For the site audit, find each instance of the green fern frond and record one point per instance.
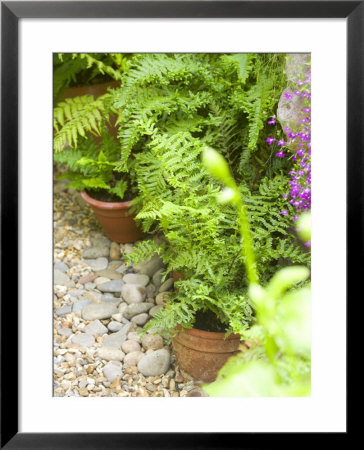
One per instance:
(76, 117)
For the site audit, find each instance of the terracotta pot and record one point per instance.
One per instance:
(115, 219)
(177, 275)
(201, 354)
(91, 89)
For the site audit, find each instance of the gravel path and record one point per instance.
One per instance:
(100, 304)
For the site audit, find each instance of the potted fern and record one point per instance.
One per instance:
(93, 170)
(184, 103)
(78, 74)
(85, 138)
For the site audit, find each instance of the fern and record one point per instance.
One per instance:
(170, 106)
(93, 166)
(143, 251)
(77, 117)
(102, 68)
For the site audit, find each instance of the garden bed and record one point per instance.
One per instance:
(78, 368)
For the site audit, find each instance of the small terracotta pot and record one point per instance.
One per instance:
(177, 275)
(201, 354)
(91, 89)
(115, 219)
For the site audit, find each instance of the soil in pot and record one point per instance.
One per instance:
(208, 321)
(105, 196)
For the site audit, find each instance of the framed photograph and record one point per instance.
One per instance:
(55, 279)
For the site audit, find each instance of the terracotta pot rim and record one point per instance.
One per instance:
(105, 205)
(96, 86)
(208, 334)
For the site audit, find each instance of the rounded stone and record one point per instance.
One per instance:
(161, 298)
(130, 346)
(100, 311)
(155, 363)
(110, 274)
(113, 286)
(134, 336)
(61, 266)
(100, 280)
(151, 290)
(62, 279)
(136, 278)
(115, 251)
(122, 307)
(115, 326)
(153, 311)
(111, 354)
(133, 293)
(150, 267)
(96, 251)
(80, 304)
(83, 340)
(133, 358)
(152, 341)
(92, 296)
(87, 278)
(157, 278)
(65, 331)
(112, 370)
(118, 317)
(167, 285)
(97, 264)
(109, 297)
(140, 319)
(116, 339)
(96, 328)
(136, 308)
(63, 310)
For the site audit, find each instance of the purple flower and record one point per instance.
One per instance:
(299, 195)
(272, 120)
(308, 244)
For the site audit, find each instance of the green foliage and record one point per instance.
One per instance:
(213, 97)
(180, 199)
(169, 108)
(77, 117)
(283, 364)
(142, 252)
(93, 167)
(105, 65)
(73, 69)
(283, 320)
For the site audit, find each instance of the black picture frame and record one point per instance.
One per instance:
(11, 12)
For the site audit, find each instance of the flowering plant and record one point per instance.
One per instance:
(280, 365)
(299, 143)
